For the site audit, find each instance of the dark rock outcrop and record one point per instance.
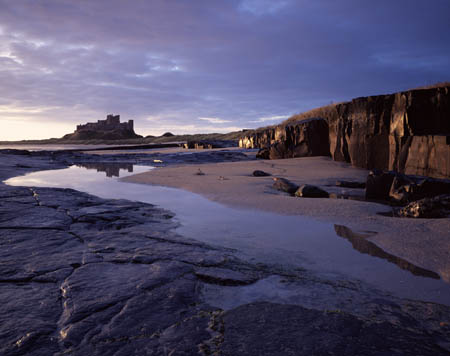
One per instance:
(401, 188)
(304, 138)
(311, 191)
(208, 144)
(259, 173)
(437, 207)
(293, 330)
(285, 185)
(408, 132)
(263, 153)
(378, 184)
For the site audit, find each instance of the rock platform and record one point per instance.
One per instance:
(80, 275)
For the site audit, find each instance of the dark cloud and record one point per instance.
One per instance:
(172, 62)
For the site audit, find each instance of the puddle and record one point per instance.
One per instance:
(359, 242)
(290, 241)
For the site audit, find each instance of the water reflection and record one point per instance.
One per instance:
(260, 237)
(112, 169)
(362, 245)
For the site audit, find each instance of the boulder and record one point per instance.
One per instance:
(311, 191)
(406, 189)
(285, 185)
(259, 173)
(378, 184)
(263, 153)
(402, 189)
(437, 207)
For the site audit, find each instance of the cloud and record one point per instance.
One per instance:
(271, 118)
(262, 7)
(242, 60)
(214, 120)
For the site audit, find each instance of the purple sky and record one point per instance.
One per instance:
(190, 66)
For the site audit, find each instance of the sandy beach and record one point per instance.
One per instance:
(423, 242)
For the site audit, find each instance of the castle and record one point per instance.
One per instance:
(111, 123)
(109, 129)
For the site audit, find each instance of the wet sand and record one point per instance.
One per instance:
(424, 242)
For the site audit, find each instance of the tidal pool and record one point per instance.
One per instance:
(333, 251)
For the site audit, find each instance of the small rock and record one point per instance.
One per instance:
(258, 173)
(311, 191)
(284, 185)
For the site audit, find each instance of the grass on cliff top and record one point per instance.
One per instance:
(431, 86)
(322, 112)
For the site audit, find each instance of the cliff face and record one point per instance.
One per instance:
(408, 132)
(299, 139)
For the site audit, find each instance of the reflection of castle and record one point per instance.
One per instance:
(111, 169)
(111, 123)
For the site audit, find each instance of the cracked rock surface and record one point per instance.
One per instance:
(80, 275)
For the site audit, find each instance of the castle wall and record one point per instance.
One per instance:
(112, 122)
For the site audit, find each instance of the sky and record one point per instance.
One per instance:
(198, 66)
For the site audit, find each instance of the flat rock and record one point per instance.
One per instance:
(27, 253)
(274, 329)
(224, 277)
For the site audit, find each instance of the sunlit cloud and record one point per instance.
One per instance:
(11, 109)
(13, 129)
(270, 118)
(214, 120)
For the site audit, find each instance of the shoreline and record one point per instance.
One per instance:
(77, 265)
(423, 242)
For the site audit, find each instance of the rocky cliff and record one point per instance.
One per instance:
(407, 132)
